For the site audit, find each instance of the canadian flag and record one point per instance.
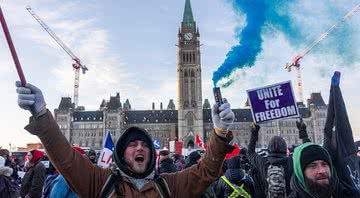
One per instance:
(199, 142)
(106, 154)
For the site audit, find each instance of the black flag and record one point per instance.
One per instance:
(338, 138)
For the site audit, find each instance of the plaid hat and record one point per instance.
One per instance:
(313, 153)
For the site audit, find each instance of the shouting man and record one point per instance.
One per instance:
(134, 156)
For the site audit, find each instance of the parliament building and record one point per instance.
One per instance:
(189, 116)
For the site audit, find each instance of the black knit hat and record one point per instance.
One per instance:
(234, 175)
(132, 134)
(277, 144)
(233, 163)
(313, 153)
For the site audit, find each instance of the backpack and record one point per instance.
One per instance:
(276, 184)
(48, 184)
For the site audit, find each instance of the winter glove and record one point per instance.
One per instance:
(335, 80)
(302, 129)
(255, 129)
(222, 118)
(31, 98)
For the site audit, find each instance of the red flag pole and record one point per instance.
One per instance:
(12, 49)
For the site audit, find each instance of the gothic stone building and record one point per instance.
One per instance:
(193, 116)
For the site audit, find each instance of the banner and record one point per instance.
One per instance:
(106, 154)
(273, 102)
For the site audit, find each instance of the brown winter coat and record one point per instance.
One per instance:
(86, 180)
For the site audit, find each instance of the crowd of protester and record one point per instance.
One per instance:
(308, 170)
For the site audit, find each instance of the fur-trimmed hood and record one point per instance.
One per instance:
(6, 171)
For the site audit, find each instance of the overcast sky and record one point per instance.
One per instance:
(129, 47)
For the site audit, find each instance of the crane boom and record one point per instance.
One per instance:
(307, 49)
(331, 29)
(76, 65)
(296, 60)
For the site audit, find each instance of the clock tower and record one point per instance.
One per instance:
(190, 113)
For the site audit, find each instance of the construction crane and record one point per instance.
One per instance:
(76, 65)
(296, 61)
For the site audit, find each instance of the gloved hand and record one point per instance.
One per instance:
(302, 129)
(335, 80)
(31, 98)
(222, 118)
(255, 129)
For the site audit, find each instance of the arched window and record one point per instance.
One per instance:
(190, 119)
(185, 73)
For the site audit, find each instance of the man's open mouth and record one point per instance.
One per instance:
(139, 158)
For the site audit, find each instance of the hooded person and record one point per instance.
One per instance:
(314, 174)
(34, 178)
(340, 141)
(277, 157)
(134, 157)
(234, 178)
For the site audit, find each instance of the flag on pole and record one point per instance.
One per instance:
(106, 154)
(340, 143)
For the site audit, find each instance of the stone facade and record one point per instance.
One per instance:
(193, 117)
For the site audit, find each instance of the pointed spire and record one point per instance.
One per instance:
(127, 105)
(188, 18)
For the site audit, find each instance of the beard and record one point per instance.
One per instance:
(321, 190)
(137, 168)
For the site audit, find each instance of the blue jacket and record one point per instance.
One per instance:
(60, 189)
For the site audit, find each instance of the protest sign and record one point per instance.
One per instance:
(273, 102)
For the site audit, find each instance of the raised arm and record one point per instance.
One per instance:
(255, 159)
(83, 178)
(303, 135)
(254, 137)
(193, 181)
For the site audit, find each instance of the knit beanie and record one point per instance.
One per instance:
(313, 153)
(233, 162)
(234, 175)
(133, 136)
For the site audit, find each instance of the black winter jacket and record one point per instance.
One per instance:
(261, 164)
